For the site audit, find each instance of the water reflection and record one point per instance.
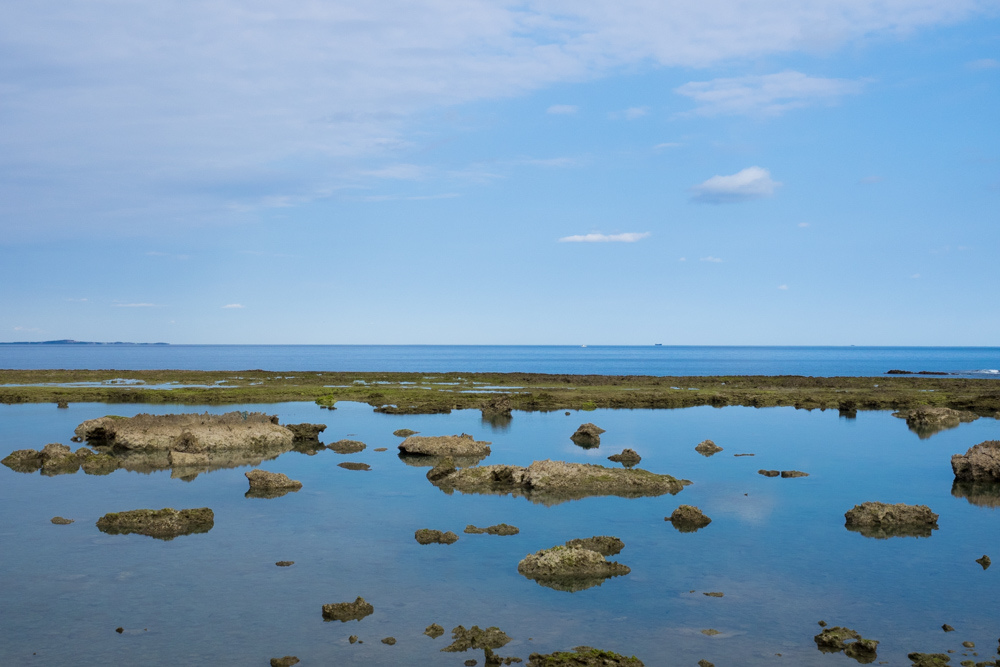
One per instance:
(982, 494)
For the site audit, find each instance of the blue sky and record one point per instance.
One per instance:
(715, 172)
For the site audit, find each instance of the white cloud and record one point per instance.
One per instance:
(985, 63)
(75, 300)
(744, 185)
(714, 260)
(402, 172)
(234, 305)
(682, 259)
(782, 287)
(29, 329)
(377, 198)
(628, 237)
(562, 109)
(767, 95)
(915, 276)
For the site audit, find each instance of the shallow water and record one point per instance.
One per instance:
(776, 547)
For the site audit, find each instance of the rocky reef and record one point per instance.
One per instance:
(837, 639)
(582, 656)
(498, 529)
(925, 421)
(980, 463)
(606, 545)
(883, 520)
(164, 524)
(192, 433)
(428, 536)
(569, 569)
(445, 445)
(264, 484)
(347, 611)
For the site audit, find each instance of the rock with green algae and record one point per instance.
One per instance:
(569, 569)
(464, 639)
(348, 611)
(428, 536)
(163, 524)
(347, 446)
(583, 656)
(498, 529)
(688, 519)
(606, 545)
(884, 520)
(928, 659)
(837, 639)
(287, 661)
(434, 631)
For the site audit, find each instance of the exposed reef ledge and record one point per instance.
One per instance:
(552, 482)
(188, 433)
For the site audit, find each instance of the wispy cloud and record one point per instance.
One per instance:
(156, 253)
(714, 260)
(767, 95)
(628, 237)
(75, 300)
(28, 329)
(803, 224)
(783, 287)
(402, 172)
(745, 185)
(135, 305)
(234, 305)
(667, 145)
(562, 109)
(984, 63)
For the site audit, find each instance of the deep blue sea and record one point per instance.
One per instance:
(599, 360)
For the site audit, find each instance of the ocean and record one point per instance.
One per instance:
(662, 360)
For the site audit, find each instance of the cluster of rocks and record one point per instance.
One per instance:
(837, 639)
(428, 536)
(498, 529)
(782, 473)
(58, 459)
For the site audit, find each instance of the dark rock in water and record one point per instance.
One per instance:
(896, 371)
(984, 561)
(428, 536)
(498, 404)
(404, 433)
(744, 454)
(569, 568)
(164, 524)
(446, 445)
(688, 519)
(627, 458)
(981, 463)
(552, 482)
(59, 459)
(583, 656)
(61, 521)
(353, 465)
(981, 494)
(705, 663)
(347, 446)
(381, 449)
(926, 421)
(347, 611)
(707, 448)
(285, 563)
(947, 628)
(928, 659)
(715, 594)
(882, 520)
(262, 480)
(587, 436)
(793, 473)
(606, 545)
(434, 631)
(476, 638)
(836, 639)
(441, 470)
(24, 460)
(822, 624)
(499, 529)
(62, 405)
(287, 661)
(390, 641)
(354, 638)
(470, 663)
(306, 432)
(769, 473)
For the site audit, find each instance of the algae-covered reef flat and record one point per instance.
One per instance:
(430, 393)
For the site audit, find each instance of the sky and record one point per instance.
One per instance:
(694, 172)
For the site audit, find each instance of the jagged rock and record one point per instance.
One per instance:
(926, 421)
(793, 473)
(347, 446)
(192, 433)
(981, 463)
(769, 473)
(882, 520)
(347, 611)
(569, 568)
(984, 561)
(390, 641)
(96, 464)
(587, 436)
(475, 638)
(498, 404)
(499, 529)
(606, 545)
(928, 659)
(434, 631)
(836, 639)
(628, 458)
(262, 480)
(947, 628)
(287, 661)
(164, 524)
(354, 465)
(62, 521)
(445, 445)
(688, 519)
(428, 536)
(707, 448)
(59, 459)
(552, 482)
(23, 460)
(306, 432)
(582, 656)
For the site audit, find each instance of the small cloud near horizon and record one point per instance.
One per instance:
(400, 172)
(628, 237)
(562, 109)
(28, 329)
(558, 162)
(745, 185)
(234, 305)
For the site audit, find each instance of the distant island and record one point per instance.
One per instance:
(73, 342)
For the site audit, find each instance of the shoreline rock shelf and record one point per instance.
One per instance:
(191, 433)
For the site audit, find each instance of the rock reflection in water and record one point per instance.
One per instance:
(901, 530)
(981, 494)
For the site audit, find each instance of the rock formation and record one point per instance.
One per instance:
(587, 436)
(688, 519)
(837, 639)
(347, 611)
(569, 568)
(981, 463)
(707, 448)
(627, 458)
(164, 524)
(926, 421)
(428, 536)
(264, 484)
(882, 520)
(445, 445)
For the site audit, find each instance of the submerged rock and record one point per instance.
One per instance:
(191, 433)
(164, 524)
(606, 545)
(428, 536)
(445, 445)
(552, 482)
(926, 421)
(984, 561)
(837, 639)
(347, 446)
(347, 611)
(404, 433)
(62, 521)
(627, 458)
(475, 638)
(569, 568)
(434, 631)
(688, 519)
(498, 529)
(587, 436)
(793, 473)
(707, 448)
(981, 463)
(354, 465)
(287, 661)
(306, 432)
(882, 520)
(928, 659)
(583, 656)
(769, 473)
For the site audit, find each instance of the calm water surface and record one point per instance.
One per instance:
(777, 548)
